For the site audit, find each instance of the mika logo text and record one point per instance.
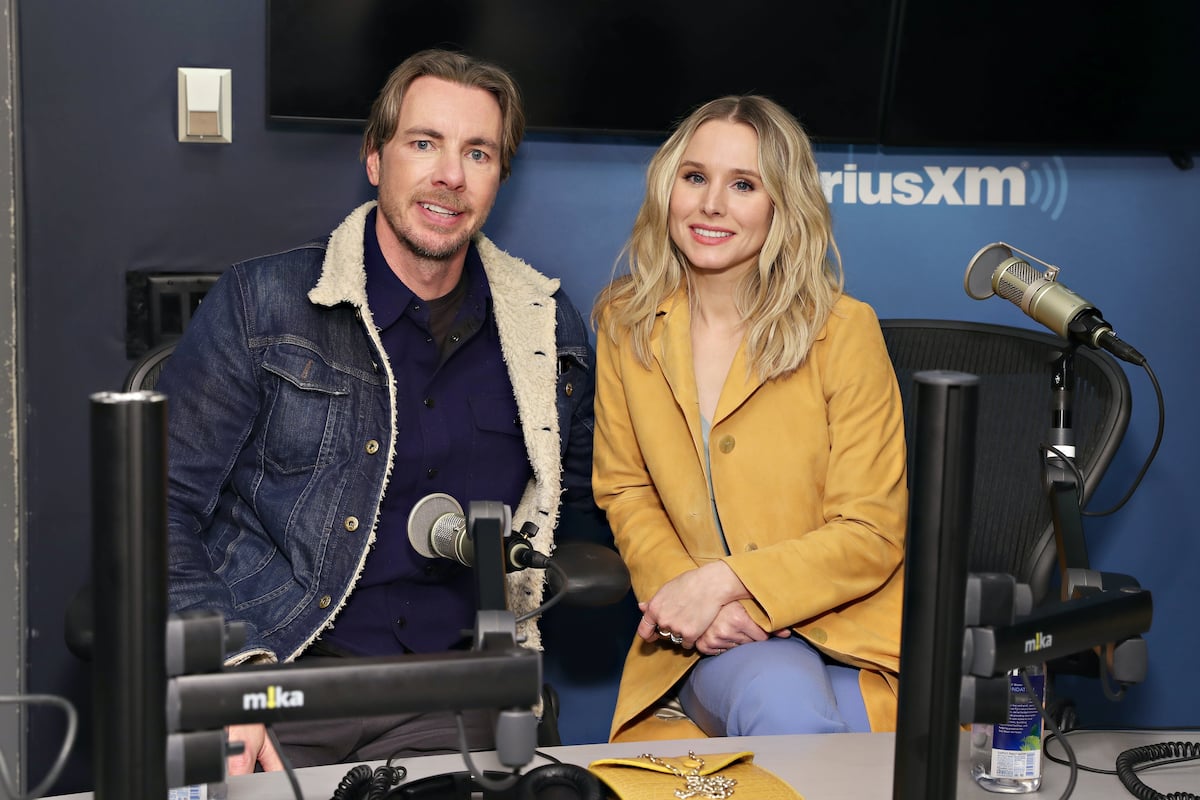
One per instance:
(273, 697)
(1040, 641)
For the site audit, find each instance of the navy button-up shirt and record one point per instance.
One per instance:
(458, 432)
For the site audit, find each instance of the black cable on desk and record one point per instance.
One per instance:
(1164, 752)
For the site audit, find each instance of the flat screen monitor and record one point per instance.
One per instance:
(1093, 74)
(612, 66)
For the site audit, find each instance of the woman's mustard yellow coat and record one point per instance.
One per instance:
(808, 474)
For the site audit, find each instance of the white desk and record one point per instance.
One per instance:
(856, 766)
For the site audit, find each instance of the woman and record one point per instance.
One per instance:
(749, 446)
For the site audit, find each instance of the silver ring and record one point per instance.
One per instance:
(663, 633)
(676, 638)
(720, 650)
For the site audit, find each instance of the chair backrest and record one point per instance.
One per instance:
(144, 373)
(1012, 527)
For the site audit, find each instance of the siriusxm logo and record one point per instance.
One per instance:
(1040, 641)
(951, 186)
(273, 697)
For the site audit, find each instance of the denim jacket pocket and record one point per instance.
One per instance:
(306, 400)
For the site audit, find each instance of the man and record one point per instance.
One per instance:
(320, 393)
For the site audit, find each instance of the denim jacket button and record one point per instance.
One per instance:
(372, 447)
(351, 524)
(569, 389)
(325, 601)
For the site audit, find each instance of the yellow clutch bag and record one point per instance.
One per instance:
(714, 776)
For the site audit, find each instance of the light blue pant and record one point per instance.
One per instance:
(779, 686)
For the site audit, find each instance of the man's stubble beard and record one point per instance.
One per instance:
(408, 238)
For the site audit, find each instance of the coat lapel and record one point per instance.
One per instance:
(671, 343)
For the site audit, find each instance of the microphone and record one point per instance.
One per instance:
(995, 270)
(437, 528)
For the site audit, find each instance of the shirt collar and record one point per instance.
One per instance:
(388, 297)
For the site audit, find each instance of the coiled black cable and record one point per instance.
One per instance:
(361, 783)
(1131, 759)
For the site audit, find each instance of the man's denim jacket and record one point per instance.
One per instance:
(280, 414)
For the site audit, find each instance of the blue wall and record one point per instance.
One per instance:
(107, 188)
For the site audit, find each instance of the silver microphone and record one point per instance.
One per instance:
(996, 271)
(437, 528)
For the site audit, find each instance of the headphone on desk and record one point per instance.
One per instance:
(547, 782)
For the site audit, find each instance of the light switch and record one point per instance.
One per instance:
(205, 108)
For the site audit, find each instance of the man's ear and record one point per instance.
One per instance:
(373, 168)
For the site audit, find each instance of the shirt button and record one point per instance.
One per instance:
(325, 601)
(454, 338)
(400, 623)
(569, 389)
(428, 401)
(372, 447)
(431, 472)
(351, 524)
(727, 444)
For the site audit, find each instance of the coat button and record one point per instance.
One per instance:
(372, 447)
(325, 601)
(727, 444)
(817, 635)
(750, 548)
(351, 524)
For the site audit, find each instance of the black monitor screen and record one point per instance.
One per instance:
(620, 66)
(1079, 73)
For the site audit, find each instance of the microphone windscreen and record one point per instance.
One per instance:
(424, 516)
(978, 280)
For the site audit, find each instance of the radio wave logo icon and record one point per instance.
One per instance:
(1053, 177)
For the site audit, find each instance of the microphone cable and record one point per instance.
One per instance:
(1153, 450)
(1131, 761)
(1048, 719)
(1137, 481)
(1154, 755)
(363, 783)
(547, 563)
(288, 770)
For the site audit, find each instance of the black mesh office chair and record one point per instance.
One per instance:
(144, 373)
(1012, 527)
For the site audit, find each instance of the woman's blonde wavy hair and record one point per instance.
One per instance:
(785, 302)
